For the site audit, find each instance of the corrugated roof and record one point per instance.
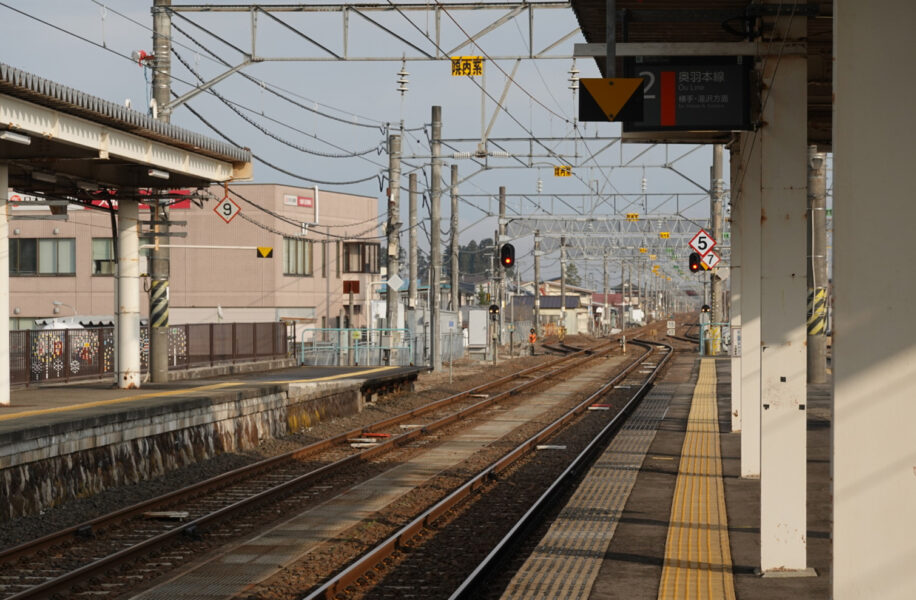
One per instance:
(39, 90)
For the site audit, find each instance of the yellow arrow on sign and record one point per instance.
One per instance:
(617, 99)
(265, 252)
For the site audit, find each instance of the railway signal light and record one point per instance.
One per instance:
(494, 311)
(507, 255)
(694, 262)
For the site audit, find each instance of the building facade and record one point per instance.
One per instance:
(318, 240)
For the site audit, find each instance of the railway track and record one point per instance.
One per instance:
(437, 555)
(154, 537)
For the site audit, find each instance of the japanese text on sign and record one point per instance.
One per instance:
(562, 171)
(467, 66)
(632, 216)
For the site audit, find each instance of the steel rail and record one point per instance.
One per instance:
(366, 563)
(557, 489)
(230, 477)
(67, 580)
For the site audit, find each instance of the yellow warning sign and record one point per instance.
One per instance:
(664, 235)
(562, 171)
(467, 66)
(617, 99)
(632, 217)
(265, 252)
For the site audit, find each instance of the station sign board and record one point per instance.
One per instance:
(692, 92)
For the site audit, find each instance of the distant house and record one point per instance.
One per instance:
(576, 312)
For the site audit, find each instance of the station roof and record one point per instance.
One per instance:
(60, 141)
(710, 21)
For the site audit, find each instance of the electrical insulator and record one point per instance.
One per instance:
(574, 77)
(540, 185)
(402, 78)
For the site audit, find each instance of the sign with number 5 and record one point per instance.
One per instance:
(702, 242)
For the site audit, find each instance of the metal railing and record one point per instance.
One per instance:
(363, 347)
(67, 354)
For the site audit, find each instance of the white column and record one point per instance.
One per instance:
(783, 141)
(4, 285)
(874, 354)
(734, 279)
(128, 295)
(749, 199)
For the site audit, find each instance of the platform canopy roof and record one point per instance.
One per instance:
(720, 22)
(63, 143)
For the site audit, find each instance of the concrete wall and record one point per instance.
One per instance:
(46, 466)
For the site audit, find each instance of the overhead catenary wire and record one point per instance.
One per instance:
(272, 88)
(234, 108)
(260, 159)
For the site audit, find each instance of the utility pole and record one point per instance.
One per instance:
(393, 229)
(718, 192)
(412, 263)
(435, 253)
(817, 266)
(159, 257)
(563, 281)
(412, 241)
(604, 315)
(454, 239)
(623, 297)
(502, 269)
(537, 283)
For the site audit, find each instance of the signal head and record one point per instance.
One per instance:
(507, 256)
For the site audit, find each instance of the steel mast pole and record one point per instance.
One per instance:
(435, 251)
(412, 241)
(537, 283)
(605, 316)
(393, 229)
(501, 271)
(563, 281)
(453, 246)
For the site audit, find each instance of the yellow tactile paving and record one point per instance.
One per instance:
(697, 555)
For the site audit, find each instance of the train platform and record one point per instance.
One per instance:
(53, 404)
(664, 513)
(61, 441)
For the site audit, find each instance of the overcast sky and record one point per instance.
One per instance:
(351, 102)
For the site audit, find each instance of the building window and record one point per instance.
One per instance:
(297, 256)
(103, 259)
(42, 256)
(361, 257)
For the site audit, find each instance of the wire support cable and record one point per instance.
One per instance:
(234, 107)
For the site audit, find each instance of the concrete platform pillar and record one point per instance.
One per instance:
(874, 346)
(783, 142)
(4, 285)
(128, 295)
(748, 199)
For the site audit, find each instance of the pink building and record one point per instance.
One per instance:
(319, 240)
